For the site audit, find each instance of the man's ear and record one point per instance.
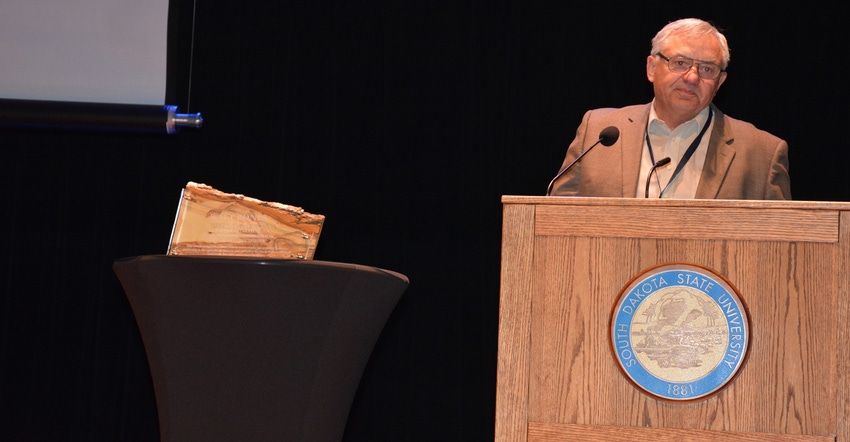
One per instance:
(721, 80)
(651, 63)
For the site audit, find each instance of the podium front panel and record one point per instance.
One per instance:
(557, 373)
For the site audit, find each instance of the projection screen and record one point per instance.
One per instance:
(104, 51)
(79, 63)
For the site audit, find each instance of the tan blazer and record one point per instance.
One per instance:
(742, 162)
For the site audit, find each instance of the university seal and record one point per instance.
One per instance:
(679, 332)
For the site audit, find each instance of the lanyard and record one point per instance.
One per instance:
(688, 153)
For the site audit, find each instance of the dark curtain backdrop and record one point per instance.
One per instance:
(403, 122)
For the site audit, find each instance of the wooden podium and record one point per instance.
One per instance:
(564, 263)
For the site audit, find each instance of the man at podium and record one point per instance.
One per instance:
(680, 145)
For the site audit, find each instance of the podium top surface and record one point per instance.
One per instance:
(744, 220)
(663, 202)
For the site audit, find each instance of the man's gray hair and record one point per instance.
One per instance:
(690, 27)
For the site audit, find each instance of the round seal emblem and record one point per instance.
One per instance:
(679, 332)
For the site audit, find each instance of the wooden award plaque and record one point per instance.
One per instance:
(210, 222)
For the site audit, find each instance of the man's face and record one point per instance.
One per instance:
(680, 96)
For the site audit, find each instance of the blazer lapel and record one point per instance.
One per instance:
(632, 136)
(718, 158)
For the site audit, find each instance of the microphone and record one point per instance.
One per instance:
(659, 163)
(607, 137)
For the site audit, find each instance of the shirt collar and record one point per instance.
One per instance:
(658, 126)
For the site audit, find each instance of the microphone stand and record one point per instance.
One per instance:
(661, 162)
(607, 137)
(570, 166)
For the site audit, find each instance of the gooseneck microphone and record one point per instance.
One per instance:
(607, 137)
(660, 163)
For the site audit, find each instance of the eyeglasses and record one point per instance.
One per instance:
(680, 64)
